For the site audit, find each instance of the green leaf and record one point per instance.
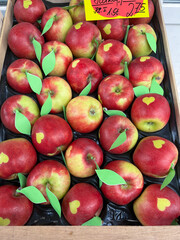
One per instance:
(126, 35)
(86, 90)
(62, 154)
(64, 112)
(22, 124)
(54, 201)
(110, 177)
(48, 62)
(119, 140)
(22, 180)
(174, 222)
(97, 45)
(114, 112)
(34, 82)
(47, 106)
(168, 178)
(37, 48)
(140, 90)
(156, 88)
(48, 25)
(95, 221)
(152, 41)
(98, 168)
(126, 71)
(39, 21)
(33, 194)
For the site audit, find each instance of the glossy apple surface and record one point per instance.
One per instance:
(77, 13)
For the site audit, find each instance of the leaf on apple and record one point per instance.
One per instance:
(81, 3)
(22, 180)
(126, 35)
(168, 178)
(22, 124)
(53, 201)
(48, 25)
(114, 112)
(174, 222)
(37, 48)
(156, 88)
(64, 160)
(47, 106)
(95, 221)
(126, 71)
(152, 41)
(98, 168)
(140, 90)
(34, 82)
(48, 63)
(86, 90)
(119, 140)
(64, 112)
(110, 177)
(97, 46)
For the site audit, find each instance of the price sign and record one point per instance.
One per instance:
(113, 9)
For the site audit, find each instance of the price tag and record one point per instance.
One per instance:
(113, 9)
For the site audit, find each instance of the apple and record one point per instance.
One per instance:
(142, 70)
(20, 39)
(137, 41)
(124, 193)
(81, 203)
(82, 71)
(111, 128)
(63, 57)
(150, 112)
(113, 28)
(111, 56)
(28, 11)
(59, 90)
(61, 24)
(156, 207)
(77, 13)
(51, 174)
(24, 104)
(81, 39)
(81, 157)
(84, 114)
(115, 92)
(154, 156)
(51, 134)
(16, 156)
(16, 74)
(15, 208)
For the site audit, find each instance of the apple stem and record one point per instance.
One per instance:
(17, 194)
(73, 6)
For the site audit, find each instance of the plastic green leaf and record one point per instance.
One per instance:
(98, 168)
(34, 82)
(33, 194)
(48, 62)
(86, 90)
(126, 35)
(152, 41)
(47, 106)
(64, 160)
(22, 180)
(168, 178)
(119, 140)
(114, 112)
(126, 70)
(39, 21)
(174, 222)
(95, 221)
(156, 88)
(48, 25)
(64, 112)
(97, 46)
(22, 124)
(54, 201)
(140, 90)
(37, 48)
(110, 177)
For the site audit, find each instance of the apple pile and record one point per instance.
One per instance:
(84, 118)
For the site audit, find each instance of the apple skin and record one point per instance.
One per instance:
(124, 194)
(77, 13)
(142, 70)
(150, 112)
(81, 39)
(111, 56)
(63, 57)
(30, 13)
(157, 207)
(81, 203)
(20, 40)
(52, 174)
(110, 130)
(154, 156)
(59, 90)
(61, 25)
(51, 134)
(81, 71)
(15, 208)
(137, 41)
(16, 156)
(115, 92)
(26, 105)
(16, 74)
(113, 28)
(84, 114)
(79, 156)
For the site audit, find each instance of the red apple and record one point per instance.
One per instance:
(77, 13)
(16, 156)
(115, 92)
(142, 70)
(61, 25)
(84, 114)
(154, 156)
(24, 104)
(59, 90)
(111, 128)
(82, 71)
(28, 11)
(20, 39)
(124, 193)
(81, 39)
(15, 208)
(63, 57)
(81, 156)
(81, 203)
(111, 56)
(51, 174)
(157, 207)
(150, 112)
(16, 74)
(51, 134)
